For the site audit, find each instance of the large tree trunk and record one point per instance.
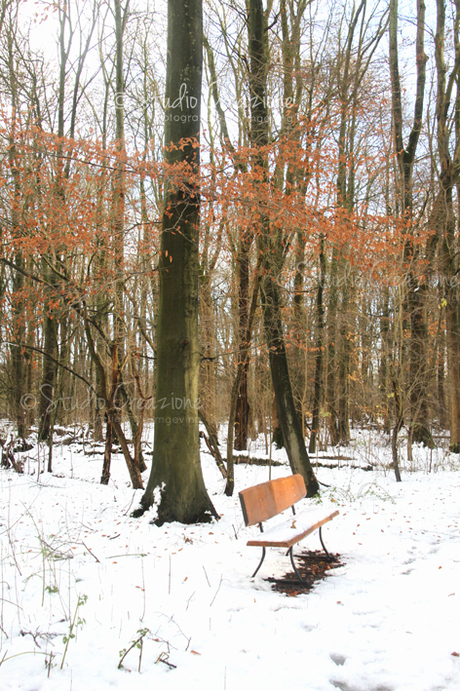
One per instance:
(176, 471)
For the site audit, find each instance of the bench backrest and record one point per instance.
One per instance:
(270, 498)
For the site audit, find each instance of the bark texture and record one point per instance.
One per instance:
(176, 471)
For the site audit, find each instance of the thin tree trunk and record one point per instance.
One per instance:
(213, 444)
(107, 452)
(444, 220)
(109, 401)
(242, 403)
(331, 392)
(17, 357)
(243, 358)
(50, 349)
(415, 296)
(319, 347)
(208, 337)
(50, 346)
(270, 247)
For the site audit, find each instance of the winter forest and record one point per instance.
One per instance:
(328, 247)
(230, 252)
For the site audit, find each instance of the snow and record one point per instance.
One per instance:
(387, 620)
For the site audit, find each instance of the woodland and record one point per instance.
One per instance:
(288, 270)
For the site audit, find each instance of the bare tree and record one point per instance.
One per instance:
(405, 154)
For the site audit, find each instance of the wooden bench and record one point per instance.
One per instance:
(264, 501)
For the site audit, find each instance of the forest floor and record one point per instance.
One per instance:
(83, 583)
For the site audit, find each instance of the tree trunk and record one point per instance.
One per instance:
(453, 355)
(319, 346)
(243, 359)
(414, 306)
(50, 349)
(331, 392)
(288, 418)
(105, 477)
(444, 220)
(208, 339)
(176, 470)
(17, 357)
(270, 246)
(242, 403)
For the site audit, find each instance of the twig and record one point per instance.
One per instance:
(138, 643)
(206, 576)
(125, 513)
(169, 576)
(188, 601)
(93, 555)
(26, 652)
(141, 644)
(163, 657)
(143, 589)
(218, 588)
(49, 663)
(74, 624)
(13, 553)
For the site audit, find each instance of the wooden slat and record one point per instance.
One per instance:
(292, 534)
(261, 502)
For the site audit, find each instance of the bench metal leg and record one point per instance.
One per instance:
(260, 562)
(296, 571)
(291, 556)
(323, 545)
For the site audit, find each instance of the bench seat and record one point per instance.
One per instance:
(292, 530)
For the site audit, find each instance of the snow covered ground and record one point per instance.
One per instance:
(81, 581)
